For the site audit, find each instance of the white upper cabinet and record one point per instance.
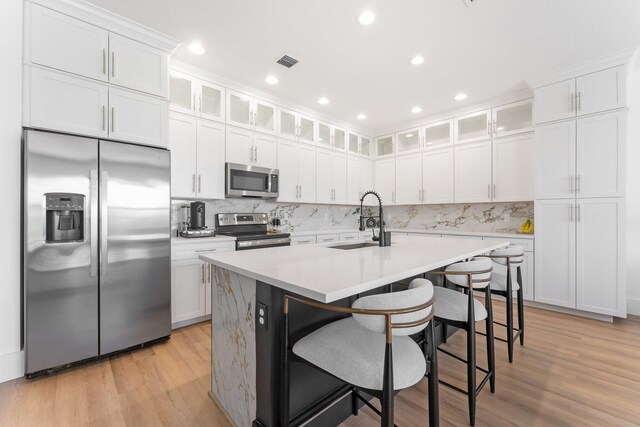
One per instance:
(339, 138)
(138, 66)
(600, 261)
(408, 141)
(555, 255)
(331, 177)
(210, 160)
(306, 129)
(264, 151)
(250, 113)
(288, 125)
(353, 144)
(138, 118)
(438, 135)
(62, 102)
(330, 136)
(68, 44)
(473, 173)
(182, 143)
(366, 177)
(473, 127)
(197, 97)
(324, 135)
(599, 157)
(601, 91)
(513, 169)
(211, 101)
(365, 147)
(592, 93)
(59, 41)
(306, 163)
(385, 181)
(239, 146)
(438, 176)
(385, 146)
(513, 118)
(555, 160)
(354, 189)
(288, 168)
(555, 101)
(409, 180)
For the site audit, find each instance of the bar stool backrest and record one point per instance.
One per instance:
(419, 293)
(480, 280)
(514, 252)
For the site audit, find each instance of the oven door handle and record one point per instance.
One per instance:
(263, 242)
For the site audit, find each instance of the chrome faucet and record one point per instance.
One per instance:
(384, 237)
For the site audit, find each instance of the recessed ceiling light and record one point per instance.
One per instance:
(362, 116)
(500, 128)
(272, 80)
(416, 110)
(366, 18)
(417, 60)
(460, 97)
(323, 101)
(196, 49)
(409, 135)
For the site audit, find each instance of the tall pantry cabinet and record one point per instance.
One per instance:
(580, 140)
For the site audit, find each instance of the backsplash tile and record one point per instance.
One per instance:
(482, 217)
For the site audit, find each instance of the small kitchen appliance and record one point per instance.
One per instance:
(197, 227)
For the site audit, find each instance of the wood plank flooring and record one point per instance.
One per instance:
(571, 372)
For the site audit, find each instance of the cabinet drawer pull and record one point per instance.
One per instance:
(113, 119)
(193, 183)
(113, 64)
(104, 61)
(202, 273)
(199, 183)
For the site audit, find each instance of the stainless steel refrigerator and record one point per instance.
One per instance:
(96, 247)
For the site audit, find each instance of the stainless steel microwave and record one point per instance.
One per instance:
(250, 181)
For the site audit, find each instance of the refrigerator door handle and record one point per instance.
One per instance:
(104, 215)
(94, 221)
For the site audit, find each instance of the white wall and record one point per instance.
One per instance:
(633, 189)
(11, 358)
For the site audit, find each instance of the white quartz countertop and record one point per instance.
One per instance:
(462, 233)
(327, 274)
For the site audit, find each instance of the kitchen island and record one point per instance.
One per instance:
(247, 298)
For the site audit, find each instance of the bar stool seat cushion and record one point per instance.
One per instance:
(476, 264)
(499, 279)
(356, 355)
(452, 305)
(514, 252)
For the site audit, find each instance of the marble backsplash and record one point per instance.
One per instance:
(481, 217)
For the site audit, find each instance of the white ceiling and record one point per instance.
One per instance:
(484, 50)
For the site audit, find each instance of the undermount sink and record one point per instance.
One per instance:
(354, 246)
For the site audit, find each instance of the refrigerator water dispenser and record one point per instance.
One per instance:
(65, 217)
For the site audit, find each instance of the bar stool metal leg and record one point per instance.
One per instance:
(471, 361)
(491, 358)
(434, 411)
(520, 307)
(509, 312)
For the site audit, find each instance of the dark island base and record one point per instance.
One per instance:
(316, 398)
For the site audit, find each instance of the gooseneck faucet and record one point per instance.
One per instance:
(384, 237)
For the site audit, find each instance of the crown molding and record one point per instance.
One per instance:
(191, 70)
(614, 59)
(496, 101)
(103, 18)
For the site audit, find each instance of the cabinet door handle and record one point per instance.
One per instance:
(578, 213)
(571, 212)
(301, 191)
(489, 191)
(104, 117)
(494, 191)
(199, 183)
(193, 183)
(489, 128)
(202, 273)
(209, 273)
(571, 184)
(104, 61)
(578, 184)
(579, 102)
(113, 119)
(200, 103)
(495, 127)
(571, 100)
(256, 148)
(113, 64)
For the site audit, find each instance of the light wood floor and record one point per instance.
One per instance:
(571, 372)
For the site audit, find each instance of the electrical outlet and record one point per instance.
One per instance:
(263, 315)
(506, 217)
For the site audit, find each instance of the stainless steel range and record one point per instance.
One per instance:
(250, 231)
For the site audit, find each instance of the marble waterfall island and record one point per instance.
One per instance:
(247, 311)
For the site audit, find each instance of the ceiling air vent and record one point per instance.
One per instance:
(287, 61)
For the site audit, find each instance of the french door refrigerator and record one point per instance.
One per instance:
(96, 247)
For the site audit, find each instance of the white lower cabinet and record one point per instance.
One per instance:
(409, 180)
(327, 238)
(191, 280)
(579, 254)
(473, 172)
(303, 240)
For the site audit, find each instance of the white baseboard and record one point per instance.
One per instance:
(633, 306)
(573, 312)
(11, 366)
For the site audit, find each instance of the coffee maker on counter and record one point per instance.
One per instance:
(197, 227)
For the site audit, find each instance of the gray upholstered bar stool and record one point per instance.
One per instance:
(462, 310)
(372, 350)
(507, 263)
